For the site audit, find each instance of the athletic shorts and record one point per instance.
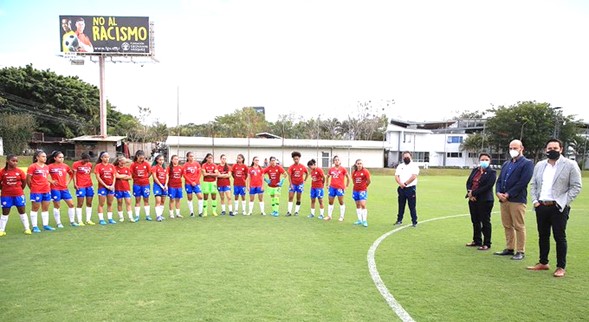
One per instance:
(141, 191)
(121, 194)
(104, 192)
(209, 188)
(192, 189)
(8, 202)
(158, 191)
(296, 188)
(239, 190)
(224, 188)
(38, 197)
(58, 195)
(359, 195)
(274, 191)
(256, 190)
(175, 193)
(317, 193)
(333, 192)
(85, 192)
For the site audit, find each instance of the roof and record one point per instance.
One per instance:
(184, 141)
(97, 138)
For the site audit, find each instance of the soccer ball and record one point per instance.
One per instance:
(70, 42)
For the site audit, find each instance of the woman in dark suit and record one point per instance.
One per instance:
(479, 187)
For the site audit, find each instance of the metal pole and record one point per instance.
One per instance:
(178, 119)
(103, 126)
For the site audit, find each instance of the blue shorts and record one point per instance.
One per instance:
(158, 191)
(192, 189)
(333, 192)
(8, 202)
(121, 194)
(85, 192)
(256, 190)
(58, 195)
(141, 191)
(317, 193)
(103, 192)
(296, 188)
(360, 195)
(38, 197)
(175, 193)
(239, 190)
(223, 188)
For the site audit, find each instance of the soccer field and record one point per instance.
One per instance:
(290, 268)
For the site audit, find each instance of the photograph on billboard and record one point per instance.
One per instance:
(104, 35)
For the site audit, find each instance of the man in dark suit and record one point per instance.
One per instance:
(555, 184)
(512, 191)
(479, 191)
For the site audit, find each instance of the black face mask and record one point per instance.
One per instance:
(406, 160)
(553, 154)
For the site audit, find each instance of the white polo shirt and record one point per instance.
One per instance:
(405, 171)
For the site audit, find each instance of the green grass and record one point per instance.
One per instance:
(295, 269)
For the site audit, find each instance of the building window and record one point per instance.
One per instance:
(325, 159)
(407, 137)
(454, 154)
(420, 156)
(473, 155)
(455, 139)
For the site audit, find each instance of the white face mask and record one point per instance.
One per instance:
(513, 153)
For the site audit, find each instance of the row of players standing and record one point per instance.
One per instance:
(48, 180)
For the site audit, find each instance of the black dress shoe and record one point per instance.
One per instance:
(518, 256)
(504, 252)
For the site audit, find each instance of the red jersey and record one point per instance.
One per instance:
(160, 173)
(59, 173)
(209, 168)
(223, 182)
(256, 175)
(192, 173)
(274, 173)
(39, 174)
(239, 173)
(317, 178)
(82, 173)
(140, 173)
(11, 181)
(338, 175)
(360, 179)
(122, 184)
(296, 173)
(175, 176)
(106, 172)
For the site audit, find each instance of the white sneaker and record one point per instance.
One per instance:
(172, 217)
(341, 219)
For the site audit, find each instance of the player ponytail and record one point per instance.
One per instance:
(36, 155)
(171, 166)
(51, 158)
(204, 160)
(154, 163)
(138, 154)
(240, 156)
(118, 161)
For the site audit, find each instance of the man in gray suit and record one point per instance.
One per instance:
(555, 184)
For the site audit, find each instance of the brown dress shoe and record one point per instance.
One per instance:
(559, 272)
(539, 267)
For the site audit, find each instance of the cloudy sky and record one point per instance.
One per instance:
(322, 57)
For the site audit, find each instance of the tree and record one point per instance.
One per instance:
(474, 143)
(16, 130)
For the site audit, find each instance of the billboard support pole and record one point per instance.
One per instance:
(103, 128)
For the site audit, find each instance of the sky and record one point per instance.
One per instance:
(416, 60)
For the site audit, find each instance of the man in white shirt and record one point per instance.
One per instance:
(555, 184)
(406, 177)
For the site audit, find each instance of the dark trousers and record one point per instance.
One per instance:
(546, 217)
(480, 216)
(407, 196)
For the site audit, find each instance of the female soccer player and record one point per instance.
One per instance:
(224, 185)
(209, 186)
(140, 171)
(105, 175)
(192, 173)
(239, 174)
(84, 187)
(12, 182)
(255, 176)
(160, 186)
(61, 175)
(340, 180)
(297, 175)
(175, 186)
(122, 188)
(361, 178)
(317, 184)
(276, 175)
(38, 179)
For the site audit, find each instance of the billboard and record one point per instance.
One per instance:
(104, 35)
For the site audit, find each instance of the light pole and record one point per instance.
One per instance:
(521, 132)
(556, 120)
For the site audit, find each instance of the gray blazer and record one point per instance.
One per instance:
(567, 182)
